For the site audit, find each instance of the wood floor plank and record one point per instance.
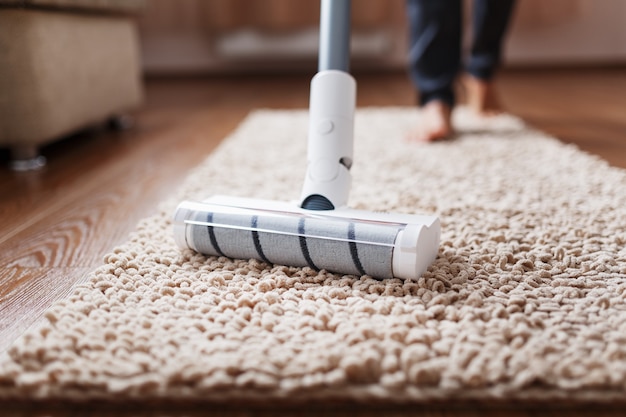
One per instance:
(26, 293)
(585, 107)
(67, 228)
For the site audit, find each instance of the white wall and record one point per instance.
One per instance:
(179, 36)
(568, 31)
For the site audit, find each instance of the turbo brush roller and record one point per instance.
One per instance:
(345, 241)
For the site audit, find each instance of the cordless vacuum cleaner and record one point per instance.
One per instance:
(319, 231)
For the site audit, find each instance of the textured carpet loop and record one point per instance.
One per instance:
(526, 299)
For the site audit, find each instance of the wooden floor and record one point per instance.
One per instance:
(57, 224)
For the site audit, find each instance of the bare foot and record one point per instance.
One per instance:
(481, 96)
(435, 123)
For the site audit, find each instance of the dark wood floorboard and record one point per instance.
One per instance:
(57, 224)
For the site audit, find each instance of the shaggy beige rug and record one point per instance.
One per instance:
(527, 299)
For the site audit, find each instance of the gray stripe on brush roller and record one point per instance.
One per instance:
(354, 250)
(375, 260)
(282, 249)
(257, 241)
(202, 237)
(212, 239)
(348, 255)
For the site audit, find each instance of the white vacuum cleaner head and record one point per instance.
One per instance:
(347, 241)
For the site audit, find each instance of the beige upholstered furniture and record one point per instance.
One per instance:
(64, 65)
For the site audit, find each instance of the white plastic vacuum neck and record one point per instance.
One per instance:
(330, 137)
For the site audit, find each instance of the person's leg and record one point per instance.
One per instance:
(435, 47)
(490, 21)
(434, 62)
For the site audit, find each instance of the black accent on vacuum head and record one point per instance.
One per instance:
(317, 202)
